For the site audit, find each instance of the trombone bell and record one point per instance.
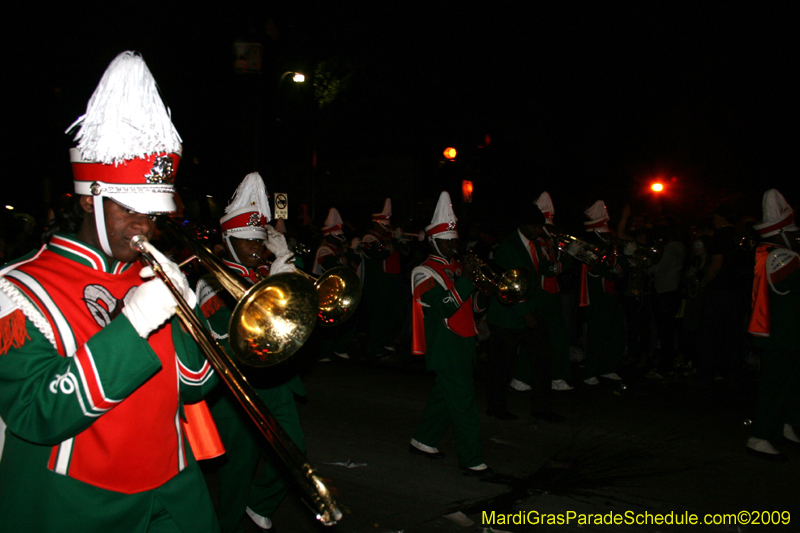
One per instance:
(339, 292)
(273, 320)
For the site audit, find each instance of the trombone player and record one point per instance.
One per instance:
(245, 234)
(93, 373)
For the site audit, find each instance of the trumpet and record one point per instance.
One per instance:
(510, 287)
(420, 236)
(282, 305)
(640, 255)
(338, 290)
(583, 251)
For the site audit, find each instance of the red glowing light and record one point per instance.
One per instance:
(450, 153)
(657, 187)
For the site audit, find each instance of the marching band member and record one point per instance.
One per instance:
(94, 372)
(444, 330)
(520, 326)
(383, 286)
(245, 233)
(605, 319)
(549, 263)
(774, 325)
(333, 252)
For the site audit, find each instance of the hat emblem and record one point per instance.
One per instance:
(162, 171)
(255, 219)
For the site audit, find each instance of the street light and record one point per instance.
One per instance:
(297, 77)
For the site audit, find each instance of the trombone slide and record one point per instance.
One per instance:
(320, 497)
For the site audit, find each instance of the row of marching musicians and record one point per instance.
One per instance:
(448, 292)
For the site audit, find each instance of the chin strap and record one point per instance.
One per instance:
(100, 225)
(786, 240)
(231, 250)
(436, 247)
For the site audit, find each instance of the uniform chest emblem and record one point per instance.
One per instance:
(101, 303)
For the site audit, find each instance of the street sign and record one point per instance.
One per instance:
(281, 205)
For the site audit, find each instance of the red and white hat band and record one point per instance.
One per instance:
(772, 229)
(337, 229)
(597, 225)
(151, 173)
(239, 224)
(446, 230)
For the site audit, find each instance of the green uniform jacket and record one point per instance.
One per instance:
(445, 350)
(513, 253)
(784, 306)
(45, 404)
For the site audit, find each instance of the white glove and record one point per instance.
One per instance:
(281, 265)
(400, 235)
(355, 243)
(149, 306)
(173, 272)
(276, 242)
(630, 248)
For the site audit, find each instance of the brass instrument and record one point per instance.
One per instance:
(338, 289)
(300, 249)
(583, 251)
(642, 256)
(271, 320)
(414, 236)
(378, 245)
(509, 288)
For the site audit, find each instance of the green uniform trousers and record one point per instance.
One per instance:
(244, 445)
(778, 400)
(552, 314)
(452, 401)
(606, 336)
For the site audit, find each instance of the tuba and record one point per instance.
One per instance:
(271, 320)
(510, 287)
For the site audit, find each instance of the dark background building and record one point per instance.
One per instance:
(585, 101)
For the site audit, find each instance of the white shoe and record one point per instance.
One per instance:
(261, 521)
(611, 375)
(789, 434)
(762, 446)
(423, 447)
(591, 381)
(389, 348)
(341, 355)
(324, 360)
(519, 385)
(560, 384)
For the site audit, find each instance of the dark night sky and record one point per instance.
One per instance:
(586, 101)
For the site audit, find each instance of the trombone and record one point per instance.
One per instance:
(271, 321)
(510, 287)
(338, 289)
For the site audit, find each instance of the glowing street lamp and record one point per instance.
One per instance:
(450, 153)
(657, 187)
(297, 77)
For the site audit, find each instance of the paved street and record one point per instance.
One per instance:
(645, 447)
